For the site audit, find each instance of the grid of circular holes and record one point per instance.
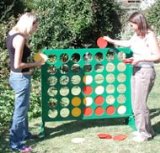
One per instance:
(110, 99)
(64, 101)
(64, 91)
(99, 68)
(52, 80)
(121, 88)
(52, 70)
(64, 112)
(110, 56)
(99, 78)
(110, 89)
(52, 58)
(64, 57)
(64, 69)
(76, 90)
(121, 67)
(110, 67)
(75, 57)
(52, 113)
(64, 80)
(110, 78)
(87, 68)
(121, 77)
(121, 98)
(75, 79)
(52, 103)
(87, 57)
(75, 68)
(99, 57)
(52, 91)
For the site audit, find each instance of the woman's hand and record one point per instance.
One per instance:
(110, 40)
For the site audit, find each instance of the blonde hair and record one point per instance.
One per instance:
(25, 23)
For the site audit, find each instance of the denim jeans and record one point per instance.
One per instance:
(21, 84)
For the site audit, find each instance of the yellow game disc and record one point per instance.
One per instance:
(76, 112)
(76, 101)
(40, 57)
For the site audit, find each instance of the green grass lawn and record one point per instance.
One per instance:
(59, 135)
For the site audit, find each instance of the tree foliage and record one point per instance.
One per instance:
(70, 23)
(153, 16)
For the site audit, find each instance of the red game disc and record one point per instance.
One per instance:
(87, 111)
(87, 90)
(120, 137)
(99, 100)
(101, 42)
(99, 111)
(104, 136)
(110, 110)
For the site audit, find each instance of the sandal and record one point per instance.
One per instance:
(24, 149)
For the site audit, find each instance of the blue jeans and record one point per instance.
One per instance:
(21, 84)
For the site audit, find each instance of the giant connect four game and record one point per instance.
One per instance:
(82, 84)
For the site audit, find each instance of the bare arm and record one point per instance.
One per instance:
(124, 43)
(18, 44)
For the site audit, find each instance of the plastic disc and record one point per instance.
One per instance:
(39, 57)
(101, 43)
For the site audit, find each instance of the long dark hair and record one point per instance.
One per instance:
(139, 19)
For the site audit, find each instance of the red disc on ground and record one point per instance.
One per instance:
(87, 90)
(99, 111)
(104, 136)
(99, 100)
(101, 42)
(110, 110)
(120, 137)
(87, 111)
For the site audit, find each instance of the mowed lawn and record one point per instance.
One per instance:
(60, 135)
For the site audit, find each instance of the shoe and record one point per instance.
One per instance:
(24, 149)
(140, 139)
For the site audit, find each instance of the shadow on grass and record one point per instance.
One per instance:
(154, 113)
(64, 129)
(4, 142)
(75, 126)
